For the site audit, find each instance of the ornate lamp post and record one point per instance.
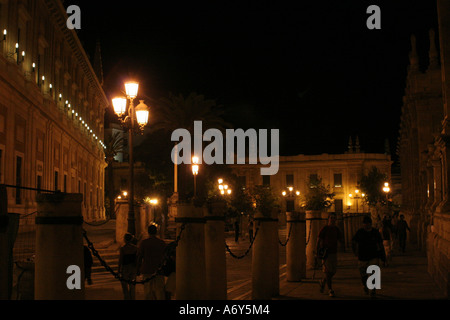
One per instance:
(134, 120)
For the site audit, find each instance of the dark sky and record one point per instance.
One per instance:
(314, 71)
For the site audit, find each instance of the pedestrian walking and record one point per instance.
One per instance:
(236, 230)
(250, 230)
(327, 244)
(127, 267)
(386, 235)
(150, 259)
(88, 262)
(402, 226)
(367, 245)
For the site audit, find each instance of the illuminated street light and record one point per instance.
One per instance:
(386, 190)
(291, 196)
(135, 121)
(195, 173)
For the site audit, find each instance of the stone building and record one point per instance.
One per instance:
(424, 153)
(51, 108)
(341, 172)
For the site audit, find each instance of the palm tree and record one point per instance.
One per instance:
(114, 145)
(177, 111)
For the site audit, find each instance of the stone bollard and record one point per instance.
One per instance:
(190, 253)
(215, 256)
(313, 221)
(296, 246)
(59, 244)
(265, 258)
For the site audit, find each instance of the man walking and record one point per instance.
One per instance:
(367, 245)
(150, 257)
(327, 243)
(402, 226)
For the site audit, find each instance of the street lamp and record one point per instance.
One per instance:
(356, 197)
(386, 190)
(290, 195)
(223, 188)
(195, 173)
(134, 120)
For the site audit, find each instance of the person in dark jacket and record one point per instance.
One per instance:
(367, 245)
(127, 267)
(402, 226)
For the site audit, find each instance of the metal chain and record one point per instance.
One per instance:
(246, 252)
(116, 274)
(288, 237)
(97, 224)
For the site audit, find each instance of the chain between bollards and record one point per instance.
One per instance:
(116, 274)
(246, 252)
(288, 237)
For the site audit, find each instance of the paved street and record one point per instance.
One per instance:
(405, 279)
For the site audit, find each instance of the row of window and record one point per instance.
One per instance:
(53, 66)
(312, 177)
(56, 182)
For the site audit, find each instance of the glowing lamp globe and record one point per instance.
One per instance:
(131, 88)
(142, 113)
(119, 105)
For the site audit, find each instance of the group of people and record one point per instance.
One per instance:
(393, 232)
(154, 260)
(369, 244)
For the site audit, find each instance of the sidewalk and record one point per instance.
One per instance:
(405, 279)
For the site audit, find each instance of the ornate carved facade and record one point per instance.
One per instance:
(424, 153)
(51, 108)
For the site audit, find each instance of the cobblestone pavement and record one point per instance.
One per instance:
(405, 279)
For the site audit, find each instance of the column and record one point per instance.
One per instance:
(190, 256)
(265, 259)
(59, 244)
(313, 220)
(296, 246)
(216, 269)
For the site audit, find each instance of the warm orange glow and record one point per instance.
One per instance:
(131, 89)
(195, 169)
(142, 113)
(119, 105)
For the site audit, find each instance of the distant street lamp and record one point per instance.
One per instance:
(356, 197)
(195, 173)
(134, 120)
(386, 189)
(223, 188)
(290, 195)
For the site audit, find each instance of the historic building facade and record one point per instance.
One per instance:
(424, 152)
(341, 172)
(51, 108)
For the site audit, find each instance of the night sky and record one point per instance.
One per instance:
(314, 71)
